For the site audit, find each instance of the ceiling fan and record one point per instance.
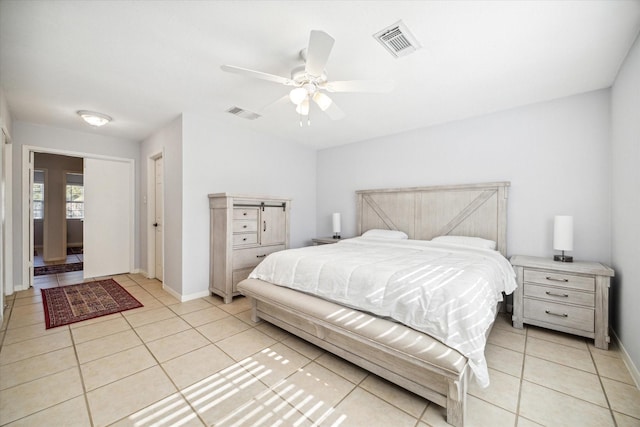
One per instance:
(310, 81)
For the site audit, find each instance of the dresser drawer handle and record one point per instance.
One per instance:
(244, 239)
(261, 256)
(244, 213)
(553, 279)
(557, 295)
(244, 226)
(556, 314)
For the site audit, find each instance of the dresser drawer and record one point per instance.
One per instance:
(245, 213)
(250, 257)
(560, 279)
(559, 314)
(245, 226)
(243, 239)
(239, 275)
(559, 295)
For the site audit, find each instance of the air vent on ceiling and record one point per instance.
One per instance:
(397, 39)
(245, 114)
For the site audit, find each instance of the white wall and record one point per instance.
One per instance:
(625, 251)
(555, 154)
(168, 142)
(219, 157)
(71, 141)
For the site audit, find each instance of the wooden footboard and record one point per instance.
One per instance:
(434, 383)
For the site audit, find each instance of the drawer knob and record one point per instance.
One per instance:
(244, 213)
(557, 295)
(244, 239)
(244, 226)
(553, 279)
(556, 314)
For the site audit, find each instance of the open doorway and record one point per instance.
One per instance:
(109, 215)
(58, 214)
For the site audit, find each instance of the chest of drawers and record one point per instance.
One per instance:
(568, 297)
(244, 230)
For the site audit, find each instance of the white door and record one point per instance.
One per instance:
(108, 217)
(159, 220)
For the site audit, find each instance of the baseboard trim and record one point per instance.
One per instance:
(633, 369)
(170, 291)
(201, 294)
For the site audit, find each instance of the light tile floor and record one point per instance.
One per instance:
(205, 363)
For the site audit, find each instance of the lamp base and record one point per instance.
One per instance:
(563, 258)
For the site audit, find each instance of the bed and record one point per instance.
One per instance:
(305, 290)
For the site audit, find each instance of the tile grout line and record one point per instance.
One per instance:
(178, 390)
(604, 391)
(524, 358)
(84, 387)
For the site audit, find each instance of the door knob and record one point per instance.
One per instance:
(155, 224)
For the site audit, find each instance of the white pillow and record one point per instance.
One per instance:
(476, 242)
(385, 234)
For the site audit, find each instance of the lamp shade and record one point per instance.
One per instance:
(336, 223)
(322, 100)
(563, 233)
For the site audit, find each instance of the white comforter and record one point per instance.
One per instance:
(447, 291)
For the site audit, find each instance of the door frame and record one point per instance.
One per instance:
(6, 222)
(151, 211)
(27, 242)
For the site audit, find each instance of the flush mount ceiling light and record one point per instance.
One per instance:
(93, 118)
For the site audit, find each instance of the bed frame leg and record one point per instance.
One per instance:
(254, 310)
(457, 401)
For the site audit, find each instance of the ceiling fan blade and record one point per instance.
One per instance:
(372, 86)
(334, 112)
(257, 74)
(279, 101)
(320, 45)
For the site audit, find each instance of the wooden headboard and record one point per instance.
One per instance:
(476, 210)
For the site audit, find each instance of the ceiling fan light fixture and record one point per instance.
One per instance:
(93, 118)
(303, 107)
(298, 95)
(322, 100)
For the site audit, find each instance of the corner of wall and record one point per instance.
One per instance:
(5, 115)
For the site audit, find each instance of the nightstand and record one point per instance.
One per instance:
(324, 241)
(571, 297)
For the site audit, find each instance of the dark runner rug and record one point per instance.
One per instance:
(74, 303)
(58, 268)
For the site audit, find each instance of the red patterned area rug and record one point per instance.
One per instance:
(75, 303)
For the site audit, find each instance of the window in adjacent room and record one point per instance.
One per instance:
(38, 194)
(75, 196)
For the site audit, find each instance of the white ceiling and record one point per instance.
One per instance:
(146, 62)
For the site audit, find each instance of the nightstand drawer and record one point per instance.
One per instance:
(560, 279)
(559, 295)
(559, 314)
